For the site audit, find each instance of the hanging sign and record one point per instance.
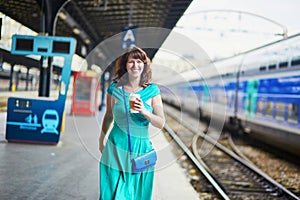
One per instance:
(128, 36)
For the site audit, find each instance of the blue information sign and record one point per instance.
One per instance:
(128, 36)
(39, 120)
(33, 120)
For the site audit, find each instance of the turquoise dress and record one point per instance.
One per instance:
(117, 182)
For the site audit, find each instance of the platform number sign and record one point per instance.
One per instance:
(39, 120)
(128, 36)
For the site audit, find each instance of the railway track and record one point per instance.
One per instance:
(231, 176)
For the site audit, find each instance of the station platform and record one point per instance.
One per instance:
(70, 169)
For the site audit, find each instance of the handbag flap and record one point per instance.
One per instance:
(146, 160)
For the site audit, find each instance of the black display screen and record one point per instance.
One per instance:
(24, 44)
(61, 47)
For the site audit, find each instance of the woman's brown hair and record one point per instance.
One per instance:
(121, 75)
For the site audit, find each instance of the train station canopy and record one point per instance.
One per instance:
(92, 21)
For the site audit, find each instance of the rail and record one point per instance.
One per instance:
(239, 159)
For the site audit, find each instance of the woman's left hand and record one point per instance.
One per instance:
(139, 105)
(156, 117)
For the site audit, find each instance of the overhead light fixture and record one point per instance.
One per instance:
(83, 50)
(76, 30)
(96, 68)
(62, 16)
(87, 41)
(34, 15)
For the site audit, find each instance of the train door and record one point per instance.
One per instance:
(251, 98)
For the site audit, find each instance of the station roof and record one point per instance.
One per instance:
(96, 20)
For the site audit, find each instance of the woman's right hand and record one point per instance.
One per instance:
(101, 142)
(101, 147)
(107, 120)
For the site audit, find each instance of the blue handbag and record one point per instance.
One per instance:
(144, 161)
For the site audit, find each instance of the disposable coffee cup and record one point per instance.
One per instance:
(131, 102)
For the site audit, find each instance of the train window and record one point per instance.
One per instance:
(283, 64)
(260, 107)
(293, 111)
(272, 66)
(262, 68)
(269, 110)
(295, 62)
(280, 108)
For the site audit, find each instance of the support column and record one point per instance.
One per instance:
(43, 78)
(18, 74)
(11, 77)
(49, 75)
(49, 9)
(27, 79)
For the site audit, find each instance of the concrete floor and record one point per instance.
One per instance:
(69, 170)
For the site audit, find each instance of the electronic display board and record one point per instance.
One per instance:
(39, 120)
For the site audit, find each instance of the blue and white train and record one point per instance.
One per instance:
(257, 92)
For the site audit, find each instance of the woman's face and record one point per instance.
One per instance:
(134, 67)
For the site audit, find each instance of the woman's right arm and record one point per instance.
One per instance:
(107, 120)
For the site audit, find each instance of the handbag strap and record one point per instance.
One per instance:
(127, 121)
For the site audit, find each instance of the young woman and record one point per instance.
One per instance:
(132, 75)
